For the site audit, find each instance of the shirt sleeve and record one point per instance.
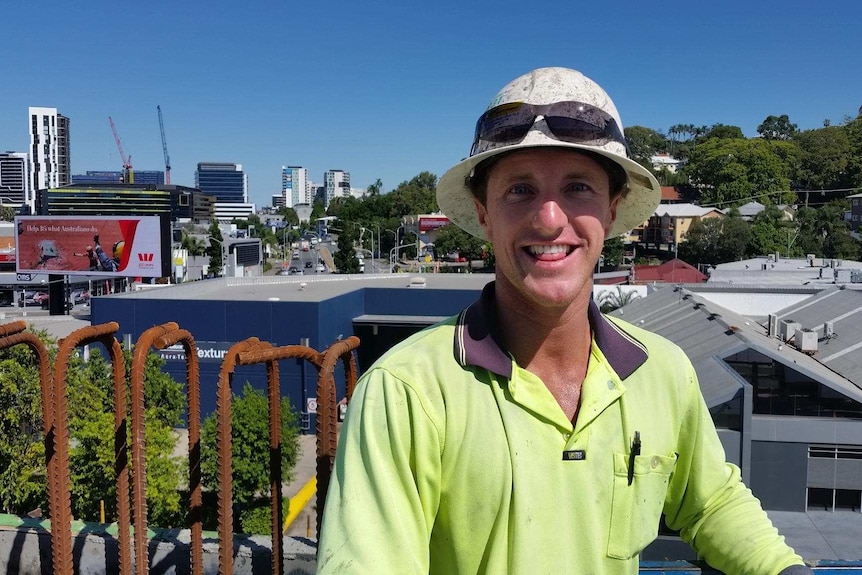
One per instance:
(385, 488)
(711, 507)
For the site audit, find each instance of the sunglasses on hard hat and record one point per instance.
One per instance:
(573, 122)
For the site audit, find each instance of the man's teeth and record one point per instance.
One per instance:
(552, 249)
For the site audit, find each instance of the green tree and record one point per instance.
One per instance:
(216, 250)
(91, 424)
(345, 257)
(376, 188)
(613, 252)
(250, 445)
(768, 232)
(645, 143)
(288, 215)
(22, 454)
(824, 160)
(824, 232)
(777, 128)
(194, 245)
(700, 242)
(450, 238)
(7, 214)
(733, 171)
(723, 132)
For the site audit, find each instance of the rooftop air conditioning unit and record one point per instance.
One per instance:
(806, 341)
(810, 258)
(843, 275)
(772, 326)
(788, 329)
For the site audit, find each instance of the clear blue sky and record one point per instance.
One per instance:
(388, 89)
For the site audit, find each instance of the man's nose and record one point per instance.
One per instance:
(550, 216)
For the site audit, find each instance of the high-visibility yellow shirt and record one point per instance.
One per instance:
(454, 460)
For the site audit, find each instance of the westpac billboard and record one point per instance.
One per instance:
(128, 246)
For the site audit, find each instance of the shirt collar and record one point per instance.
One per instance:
(477, 337)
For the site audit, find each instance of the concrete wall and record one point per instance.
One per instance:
(779, 464)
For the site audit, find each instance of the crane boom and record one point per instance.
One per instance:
(165, 147)
(128, 171)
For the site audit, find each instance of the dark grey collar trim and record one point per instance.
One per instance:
(477, 339)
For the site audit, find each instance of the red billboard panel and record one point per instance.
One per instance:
(130, 246)
(431, 223)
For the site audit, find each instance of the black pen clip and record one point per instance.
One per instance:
(636, 450)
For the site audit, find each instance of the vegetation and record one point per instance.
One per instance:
(216, 250)
(250, 439)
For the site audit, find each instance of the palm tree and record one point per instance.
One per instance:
(610, 300)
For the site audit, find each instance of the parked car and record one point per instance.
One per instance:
(79, 296)
(320, 268)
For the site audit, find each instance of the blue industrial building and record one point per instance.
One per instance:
(226, 182)
(282, 310)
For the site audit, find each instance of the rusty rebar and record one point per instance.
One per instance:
(327, 412)
(275, 450)
(12, 334)
(139, 441)
(61, 516)
(224, 454)
(196, 555)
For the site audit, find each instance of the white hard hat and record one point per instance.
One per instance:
(588, 121)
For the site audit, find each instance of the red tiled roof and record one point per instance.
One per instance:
(669, 193)
(673, 271)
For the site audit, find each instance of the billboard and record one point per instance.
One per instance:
(128, 246)
(431, 223)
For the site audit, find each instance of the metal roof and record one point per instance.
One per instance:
(708, 333)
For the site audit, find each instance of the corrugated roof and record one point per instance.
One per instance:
(708, 333)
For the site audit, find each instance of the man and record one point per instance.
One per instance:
(531, 434)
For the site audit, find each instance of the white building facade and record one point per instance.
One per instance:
(337, 183)
(49, 151)
(294, 185)
(14, 178)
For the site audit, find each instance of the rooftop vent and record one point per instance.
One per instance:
(417, 282)
(787, 329)
(805, 341)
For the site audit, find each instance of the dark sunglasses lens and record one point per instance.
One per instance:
(575, 130)
(506, 123)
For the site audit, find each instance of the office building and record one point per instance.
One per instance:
(49, 150)
(14, 178)
(153, 177)
(117, 199)
(226, 182)
(294, 185)
(337, 184)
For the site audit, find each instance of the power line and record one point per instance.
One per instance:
(779, 192)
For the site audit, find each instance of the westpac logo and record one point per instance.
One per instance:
(145, 260)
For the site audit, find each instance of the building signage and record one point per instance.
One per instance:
(91, 246)
(431, 223)
(208, 351)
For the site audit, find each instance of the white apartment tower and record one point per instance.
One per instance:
(337, 183)
(294, 185)
(49, 151)
(14, 179)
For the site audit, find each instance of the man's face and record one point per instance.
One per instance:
(547, 213)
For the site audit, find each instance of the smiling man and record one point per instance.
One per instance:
(530, 433)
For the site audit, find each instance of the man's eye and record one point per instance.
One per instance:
(520, 190)
(579, 188)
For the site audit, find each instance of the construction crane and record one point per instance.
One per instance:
(165, 148)
(128, 171)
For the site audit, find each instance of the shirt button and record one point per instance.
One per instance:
(610, 384)
(654, 462)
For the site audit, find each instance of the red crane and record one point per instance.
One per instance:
(165, 148)
(128, 171)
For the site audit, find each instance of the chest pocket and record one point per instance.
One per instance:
(637, 507)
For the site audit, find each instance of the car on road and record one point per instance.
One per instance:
(292, 271)
(320, 268)
(309, 265)
(295, 256)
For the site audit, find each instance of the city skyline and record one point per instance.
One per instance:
(383, 91)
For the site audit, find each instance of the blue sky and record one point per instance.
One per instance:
(388, 89)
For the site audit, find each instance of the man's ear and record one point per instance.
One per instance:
(482, 215)
(612, 214)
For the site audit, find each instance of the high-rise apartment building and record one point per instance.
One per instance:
(49, 151)
(226, 182)
(14, 178)
(337, 183)
(294, 185)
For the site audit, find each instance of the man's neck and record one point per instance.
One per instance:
(538, 336)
